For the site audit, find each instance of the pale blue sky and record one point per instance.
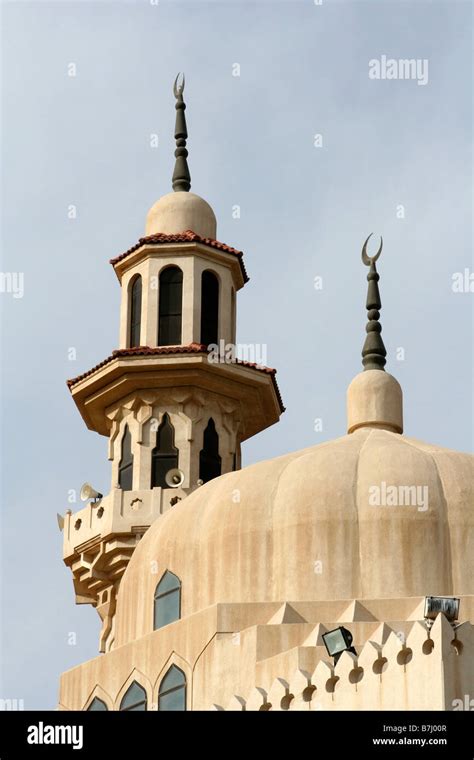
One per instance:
(305, 211)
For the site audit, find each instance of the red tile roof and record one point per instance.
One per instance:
(192, 348)
(183, 237)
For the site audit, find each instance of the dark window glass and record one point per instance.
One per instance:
(209, 459)
(134, 698)
(135, 312)
(96, 705)
(171, 299)
(167, 603)
(233, 315)
(126, 462)
(172, 694)
(209, 308)
(164, 456)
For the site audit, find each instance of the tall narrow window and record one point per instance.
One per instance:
(209, 459)
(126, 462)
(209, 307)
(172, 694)
(167, 602)
(134, 699)
(171, 300)
(234, 314)
(135, 312)
(164, 456)
(97, 705)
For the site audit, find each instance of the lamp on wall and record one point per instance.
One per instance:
(337, 641)
(447, 605)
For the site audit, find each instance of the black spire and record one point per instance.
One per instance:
(181, 175)
(373, 352)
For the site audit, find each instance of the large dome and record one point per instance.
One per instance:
(305, 526)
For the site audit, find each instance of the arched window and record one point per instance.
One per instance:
(135, 312)
(209, 307)
(172, 694)
(209, 459)
(171, 300)
(167, 604)
(134, 699)
(126, 462)
(164, 456)
(97, 705)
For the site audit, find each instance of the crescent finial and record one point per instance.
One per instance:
(368, 260)
(178, 90)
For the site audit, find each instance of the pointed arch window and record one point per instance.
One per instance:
(135, 312)
(167, 601)
(172, 693)
(165, 455)
(97, 705)
(125, 478)
(209, 459)
(209, 307)
(134, 699)
(170, 307)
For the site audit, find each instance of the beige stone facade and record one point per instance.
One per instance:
(262, 656)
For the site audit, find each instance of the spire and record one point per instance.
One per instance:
(373, 352)
(181, 175)
(374, 399)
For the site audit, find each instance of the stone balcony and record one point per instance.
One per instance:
(99, 540)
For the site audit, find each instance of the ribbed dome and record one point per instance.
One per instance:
(180, 211)
(304, 527)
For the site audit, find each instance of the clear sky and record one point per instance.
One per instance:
(395, 159)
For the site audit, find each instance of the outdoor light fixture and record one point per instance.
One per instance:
(448, 605)
(338, 641)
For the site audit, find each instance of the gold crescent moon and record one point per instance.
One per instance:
(178, 90)
(368, 260)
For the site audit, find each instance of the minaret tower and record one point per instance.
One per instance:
(175, 413)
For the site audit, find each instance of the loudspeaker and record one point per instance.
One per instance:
(87, 492)
(174, 478)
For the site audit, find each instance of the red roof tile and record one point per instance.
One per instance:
(192, 348)
(183, 237)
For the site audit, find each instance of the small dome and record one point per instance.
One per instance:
(328, 522)
(181, 211)
(375, 399)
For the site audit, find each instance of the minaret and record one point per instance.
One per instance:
(174, 416)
